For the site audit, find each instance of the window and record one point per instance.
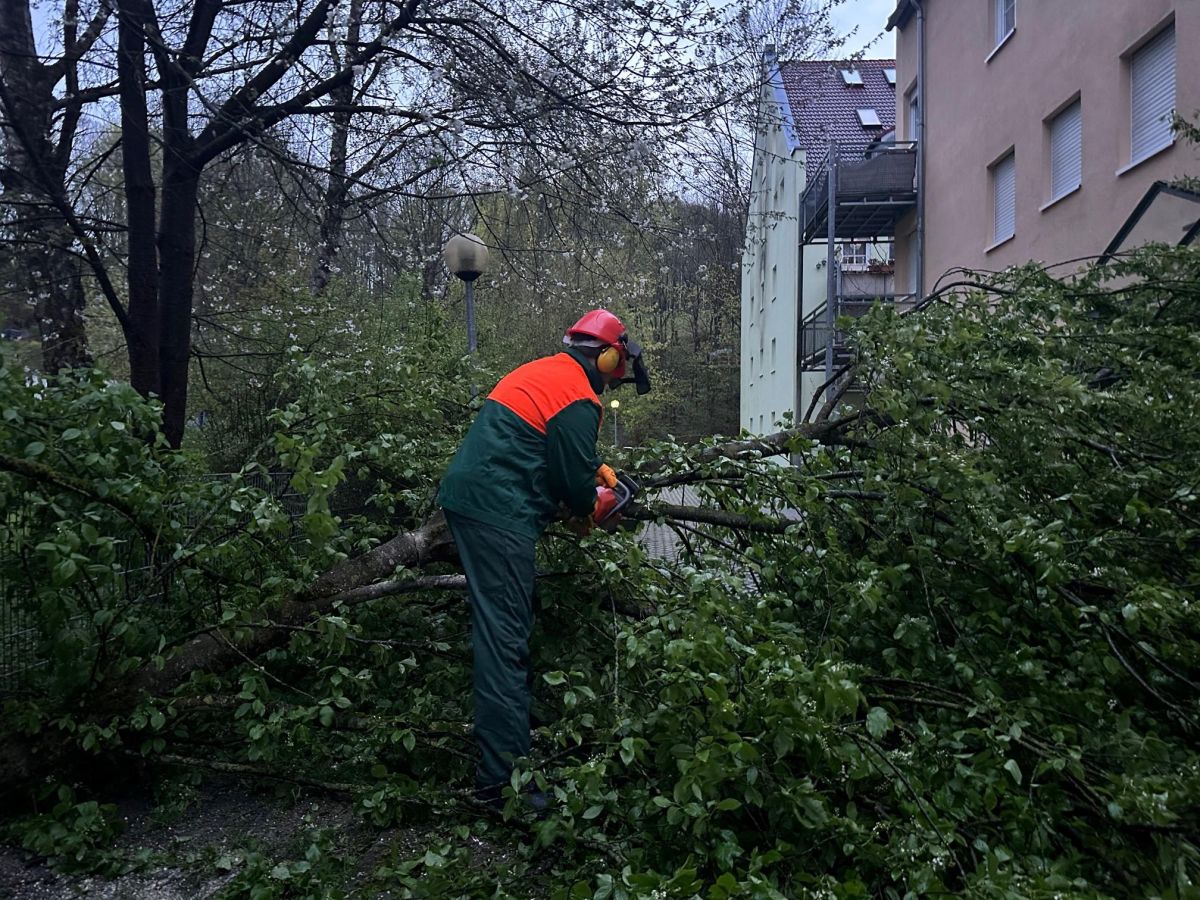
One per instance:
(1066, 151)
(1152, 95)
(1004, 198)
(869, 118)
(772, 359)
(1006, 19)
(914, 116)
(852, 76)
(854, 256)
(890, 75)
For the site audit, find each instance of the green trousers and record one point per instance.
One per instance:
(499, 566)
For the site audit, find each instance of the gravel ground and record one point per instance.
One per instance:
(226, 818)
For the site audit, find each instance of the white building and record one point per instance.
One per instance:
(803, 107)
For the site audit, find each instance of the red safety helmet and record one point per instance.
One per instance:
(601, 325)
(601, 329)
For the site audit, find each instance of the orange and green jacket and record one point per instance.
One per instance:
(531, 448)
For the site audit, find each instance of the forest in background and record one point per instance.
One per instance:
(191, 189)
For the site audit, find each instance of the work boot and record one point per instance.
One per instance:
(539, 802)
(533, 800)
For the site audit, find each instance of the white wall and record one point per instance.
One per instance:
(770, 318)
(773, 304)
(815, 288)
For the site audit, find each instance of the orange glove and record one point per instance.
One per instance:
(606, 502)
(606, 477)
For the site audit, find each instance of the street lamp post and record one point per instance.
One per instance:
(614, 405)
(466, 257)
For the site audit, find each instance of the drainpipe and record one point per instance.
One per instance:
(920, 279)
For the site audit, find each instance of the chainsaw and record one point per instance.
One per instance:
(626, 490)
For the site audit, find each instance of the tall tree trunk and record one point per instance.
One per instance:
(333, 212)
(177, 259)
(142, 334)
(33, 179)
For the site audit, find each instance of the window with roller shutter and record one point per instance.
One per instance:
(1004, 199)
(1152, 95)
(1066, 151)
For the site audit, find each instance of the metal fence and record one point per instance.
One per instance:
(135, 578)
(18, 627)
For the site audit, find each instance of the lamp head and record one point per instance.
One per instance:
(466, 256)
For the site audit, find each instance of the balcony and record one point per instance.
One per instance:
(871, 194)
(815, 328)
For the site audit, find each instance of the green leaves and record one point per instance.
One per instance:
(878, 722)
(973, 651)
(1011, 767)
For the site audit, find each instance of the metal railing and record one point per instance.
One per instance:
(888, 172)
(814, 328)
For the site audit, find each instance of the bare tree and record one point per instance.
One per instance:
(333, 212)
(381, 101)
(39, 124)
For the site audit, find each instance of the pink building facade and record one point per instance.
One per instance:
(1040, 125)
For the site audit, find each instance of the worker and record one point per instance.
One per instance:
(528, 459)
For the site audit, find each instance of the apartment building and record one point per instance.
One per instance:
(806, 107)
(1044, 128)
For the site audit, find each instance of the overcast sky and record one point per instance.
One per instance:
(869, 17)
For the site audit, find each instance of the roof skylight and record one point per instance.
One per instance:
(890, 75)
(852, 76)
(868, 118)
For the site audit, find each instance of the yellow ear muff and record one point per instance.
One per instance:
(608, 360)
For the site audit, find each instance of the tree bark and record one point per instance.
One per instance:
(142, 335)
(23, 758)
(177, 260)
(333, 213)
(217, 651)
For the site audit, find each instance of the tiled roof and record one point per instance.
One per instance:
(825, 107)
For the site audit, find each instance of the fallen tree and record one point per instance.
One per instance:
(953, 646)
(216, 648)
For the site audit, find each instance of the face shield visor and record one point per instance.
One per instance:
(631, 358)
(641, 377)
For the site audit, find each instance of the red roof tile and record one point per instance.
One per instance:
(824, 107)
